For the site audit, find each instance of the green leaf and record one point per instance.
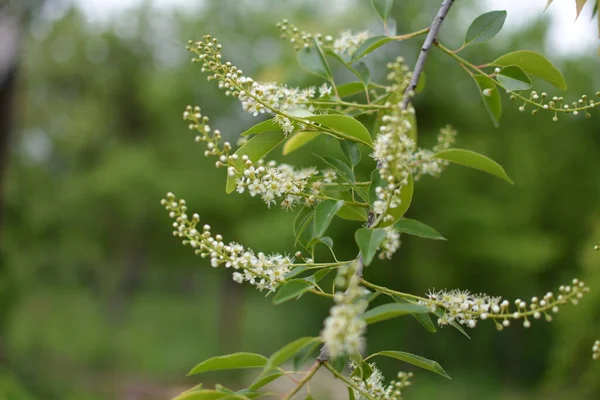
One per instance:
(421, 83)
(295, 272)
(485, 27)
(368, 241)
(264, 126)
(393, 310)
(230, 361)
(414, 359)
(340, 167)
(363, 73)
(352, 213)
(321, 273)
(440, 313)
(424, 319)
(370, 45)
(382, 8)
(208, 395)
(303, 355)
(255, 148)
(491, 97)
(298, 140)
(302, 222)
(313, 60)
(292, 290)
(406, 195)
(417, 228)
(324, 214)
(351, 151)
(290, 350)
(513, 78)
(339, 363)
(345, 127)
(534, 64)
(350, 89)
(474, 160)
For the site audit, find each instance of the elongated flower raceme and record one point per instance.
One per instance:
(375, 385)
(396, 153)
(344, 329)
(466, 308)
(596, 350)
(265, 272)
(256, 97)
(344, 44)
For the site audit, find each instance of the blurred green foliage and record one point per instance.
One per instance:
(106, 304)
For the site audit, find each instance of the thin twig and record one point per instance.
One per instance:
(303, 381)
(420, 64)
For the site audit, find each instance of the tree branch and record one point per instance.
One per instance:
(420, 64)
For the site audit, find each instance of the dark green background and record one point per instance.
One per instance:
(99, 301)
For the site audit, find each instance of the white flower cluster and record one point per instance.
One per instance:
(255, 97)
(345, 44)
(466, 308)
(596, 350)
(344, 329)
(390, 244)
(374, 385)
(266, 272)
(204, 133)
(272, 181)
(396, 153)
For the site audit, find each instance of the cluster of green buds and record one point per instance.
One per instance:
(205, 134)
(557, 104)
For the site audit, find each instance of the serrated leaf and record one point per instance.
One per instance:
(313, 60)
(298, 140)
(370, 45)
(350, 89)
(255, 148)
(265, 379)
(393, 310)
(345, 127)
(292, 290)
(302, 222)
(230, 361)
(290, 350)
(368, 241)
(417, 228)
(340, 167)
(439, 313)
(394, 214)
(208, 395)
(268, 125)
(415, 360)
(295, 272)
(485, 27)
(382, 8)
(533, 64)
(363, 73)
(491, 100)
(324, 214)
(351, 151)
(424, 319)
(352, 213)
(513, 78)
(474, 160)
(303, 355)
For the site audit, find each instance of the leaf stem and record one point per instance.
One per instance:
(412, 35)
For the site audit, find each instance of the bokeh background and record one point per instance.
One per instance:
(99, 301)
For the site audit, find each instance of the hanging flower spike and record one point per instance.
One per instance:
(466, 308)
(266, 272)
(596, 350)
